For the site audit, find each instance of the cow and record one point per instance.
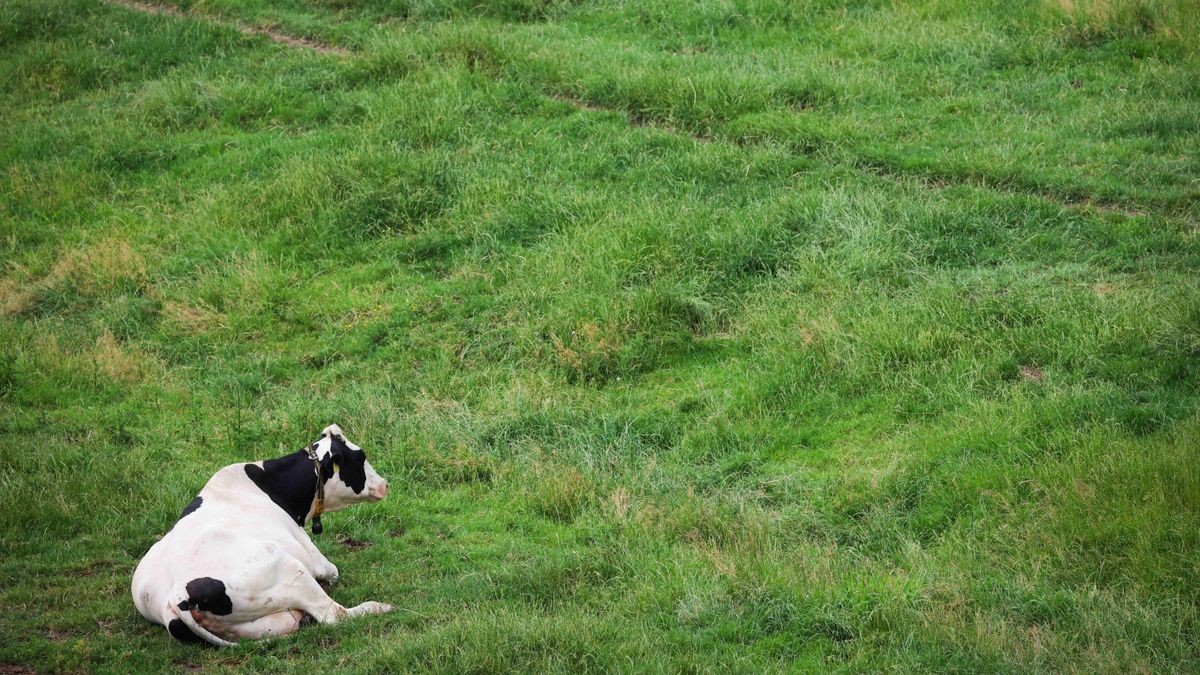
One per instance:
(238, 563)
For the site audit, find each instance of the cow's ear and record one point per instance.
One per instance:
(330, 464)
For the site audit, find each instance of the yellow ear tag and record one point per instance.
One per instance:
(335, 467)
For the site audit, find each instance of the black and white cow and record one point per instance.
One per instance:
(238, 563)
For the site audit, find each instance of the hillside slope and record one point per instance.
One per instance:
(693, 336)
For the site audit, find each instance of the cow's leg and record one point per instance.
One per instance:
(318, 564)
(324, 570)
(272, 625)
(270, 599)
(297, 589)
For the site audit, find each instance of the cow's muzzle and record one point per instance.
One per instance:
(378, 492)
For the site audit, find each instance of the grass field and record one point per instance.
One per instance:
(729, 335)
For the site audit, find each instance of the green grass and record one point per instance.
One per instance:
(717, 336)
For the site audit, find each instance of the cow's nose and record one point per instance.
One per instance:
(380, 491)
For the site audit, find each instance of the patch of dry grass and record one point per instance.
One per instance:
(193, 317)
(107, 356)
(91, 269)
(119, 362)
(100, 266)
(557, 491)
(15, 297)
(587, 349)
(1091, 20)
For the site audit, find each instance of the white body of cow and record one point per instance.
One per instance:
(238, 563)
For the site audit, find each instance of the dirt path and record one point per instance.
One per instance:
(244, 28)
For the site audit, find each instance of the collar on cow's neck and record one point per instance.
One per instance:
(319, 507)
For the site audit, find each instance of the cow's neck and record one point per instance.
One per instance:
(289, 481)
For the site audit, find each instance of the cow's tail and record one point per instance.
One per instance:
(186, 616)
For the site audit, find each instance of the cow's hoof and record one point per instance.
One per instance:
(373, 607)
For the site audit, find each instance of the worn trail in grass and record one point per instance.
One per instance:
(830, 358)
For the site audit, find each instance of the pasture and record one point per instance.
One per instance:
(715, 336)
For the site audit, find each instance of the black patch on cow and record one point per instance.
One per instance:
(351, 464)
(208, 595)
(181, 632)
(191, 507)
(289, 481)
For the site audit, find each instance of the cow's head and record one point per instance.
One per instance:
(349, 477)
